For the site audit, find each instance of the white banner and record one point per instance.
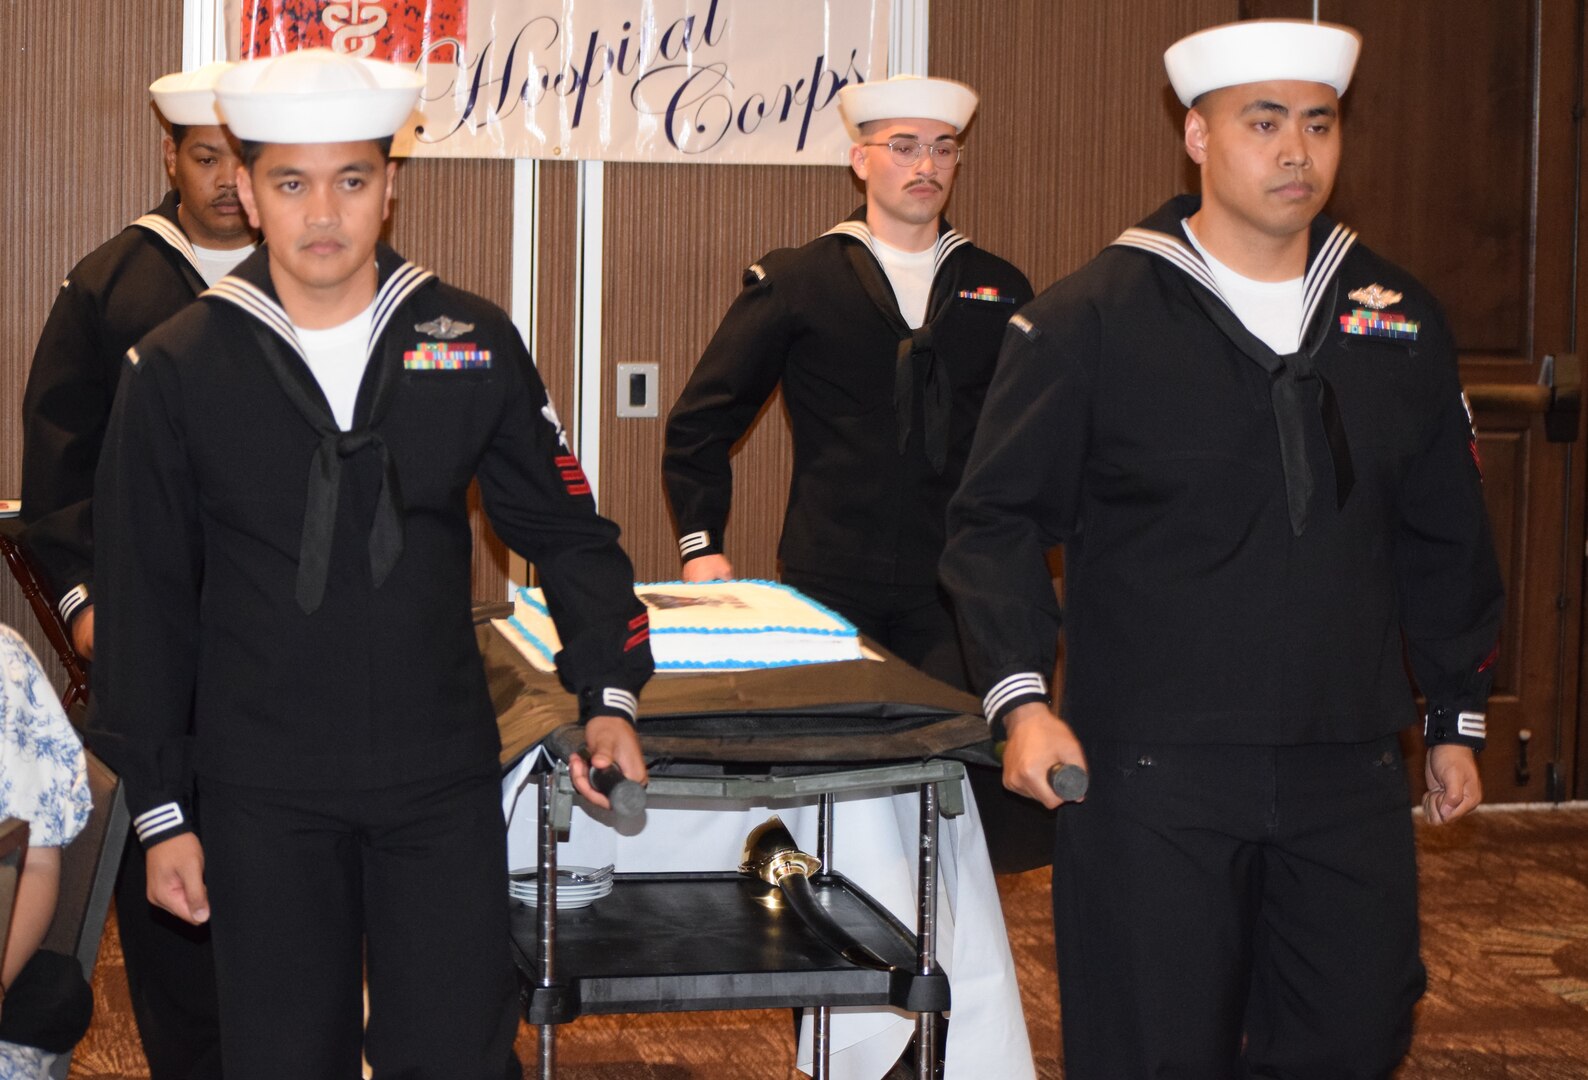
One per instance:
(710, 81)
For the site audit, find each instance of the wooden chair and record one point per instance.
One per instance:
(43, 602)
(89, 865)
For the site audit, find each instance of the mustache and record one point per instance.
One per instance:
(923, 183)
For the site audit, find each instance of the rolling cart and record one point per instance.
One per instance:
(673, 942)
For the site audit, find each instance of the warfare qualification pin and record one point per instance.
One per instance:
(446, 329)
(1376, 297)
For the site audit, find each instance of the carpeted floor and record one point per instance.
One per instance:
(1505, 913)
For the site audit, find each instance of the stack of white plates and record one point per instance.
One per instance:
(577, 886)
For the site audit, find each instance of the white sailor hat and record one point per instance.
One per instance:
(906, 95)
(1262, 50)
(316, 96)
(188, 97)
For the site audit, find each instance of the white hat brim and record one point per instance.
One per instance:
(377, 107)
(1262, 50)
(944, 100)
(188, 97)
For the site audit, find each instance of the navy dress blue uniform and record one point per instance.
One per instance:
(882, 417)
(304, 591)
(122, 290)
(113, 297)
(1249, 539)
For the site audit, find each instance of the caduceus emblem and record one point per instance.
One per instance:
(353, 26)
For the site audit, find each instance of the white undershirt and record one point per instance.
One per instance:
(337, 356)
(216, 263)
(1271, 310)
(910, 273)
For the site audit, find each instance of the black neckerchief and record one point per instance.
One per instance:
(1296, 388)
(916, 364)
(249, 287)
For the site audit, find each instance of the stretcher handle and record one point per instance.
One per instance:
(627, 797)
(1069, 782)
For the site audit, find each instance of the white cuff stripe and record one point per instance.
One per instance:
(1016, 685)
(613, 698)
(72, 601)
(693, 542)
(160, 819)
(1474, 725)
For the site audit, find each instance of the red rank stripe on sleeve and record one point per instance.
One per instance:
(1488, 661)
(641, 625)
(573, 477)
(1477, 458)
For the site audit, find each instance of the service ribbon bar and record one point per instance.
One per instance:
(985, 292)
(1385, 324)
(442, 356)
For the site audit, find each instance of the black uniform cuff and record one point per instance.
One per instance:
(693, 545)
(1012, 691)
(608, 701)
(1444, 724)
(73, 601)
(161, 823)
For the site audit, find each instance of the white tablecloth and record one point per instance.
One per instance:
(874, 845)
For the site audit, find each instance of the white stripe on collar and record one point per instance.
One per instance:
(166, 230)
(857, 229)
(1175, 251)
(403, 281)
(1330, 255)
(252, 299)
(947, 242)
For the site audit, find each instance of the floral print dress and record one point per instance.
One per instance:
(43, 780)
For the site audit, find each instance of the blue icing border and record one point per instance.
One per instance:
(524, 595)
(845, 628)
(523, 632)
(743, 665)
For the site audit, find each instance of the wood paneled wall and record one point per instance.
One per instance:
(82, 160)
(558, 287)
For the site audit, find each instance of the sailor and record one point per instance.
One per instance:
(1248, 431)
(285, 555)
(883, 333)
(134, 282)
(145, 274)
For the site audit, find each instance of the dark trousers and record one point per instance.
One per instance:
(170, 978)
(1237, 911)
(48, 1005)
(309, 889)
(916, 624)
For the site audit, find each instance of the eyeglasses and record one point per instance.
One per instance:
(906, 152)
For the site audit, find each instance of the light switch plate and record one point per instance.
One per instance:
(636, 391)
